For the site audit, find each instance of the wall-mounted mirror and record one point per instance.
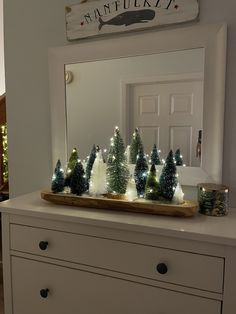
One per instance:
(169, 84)
(164, 100)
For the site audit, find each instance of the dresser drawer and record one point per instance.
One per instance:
(183, 268)
(73, 291)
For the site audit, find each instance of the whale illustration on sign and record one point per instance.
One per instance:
(129, 18)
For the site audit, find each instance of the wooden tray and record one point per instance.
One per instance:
(187, 209)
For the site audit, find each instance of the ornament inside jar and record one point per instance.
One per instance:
(213, 199)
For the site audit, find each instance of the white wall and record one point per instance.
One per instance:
(2, 69)
(30, 28)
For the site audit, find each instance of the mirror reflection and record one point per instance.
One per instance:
(160, 94)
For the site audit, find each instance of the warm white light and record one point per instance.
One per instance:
(105, 150)
(61, 170)
(79, 160)
(226, 191)
(184, 165)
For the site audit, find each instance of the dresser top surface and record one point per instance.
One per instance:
(221, 230)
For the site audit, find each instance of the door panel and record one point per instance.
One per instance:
(175, 109)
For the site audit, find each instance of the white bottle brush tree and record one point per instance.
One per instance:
(97, 184)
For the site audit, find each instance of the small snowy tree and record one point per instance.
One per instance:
(97, 184)
(178, 197)
(131, 191)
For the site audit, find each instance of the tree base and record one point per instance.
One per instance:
(115, 196)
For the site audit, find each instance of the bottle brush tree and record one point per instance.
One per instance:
(168, 179)
(97, 185)
(89, 165)
(135, 146)
(140, 172)
(155, 158)
(178, 158)
(78, 180)
(152, 185)
(58, 179)
(117, 167)
(71, 165)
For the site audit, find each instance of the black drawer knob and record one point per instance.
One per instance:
(44, 293)
(43, 245)
(162, 268)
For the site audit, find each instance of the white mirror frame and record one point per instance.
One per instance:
(211, 37)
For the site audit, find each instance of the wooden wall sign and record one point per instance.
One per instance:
(113, 16)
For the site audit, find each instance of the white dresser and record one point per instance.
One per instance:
(65, 260)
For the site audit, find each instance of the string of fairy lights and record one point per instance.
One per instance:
(4, 152)
(124, 171)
